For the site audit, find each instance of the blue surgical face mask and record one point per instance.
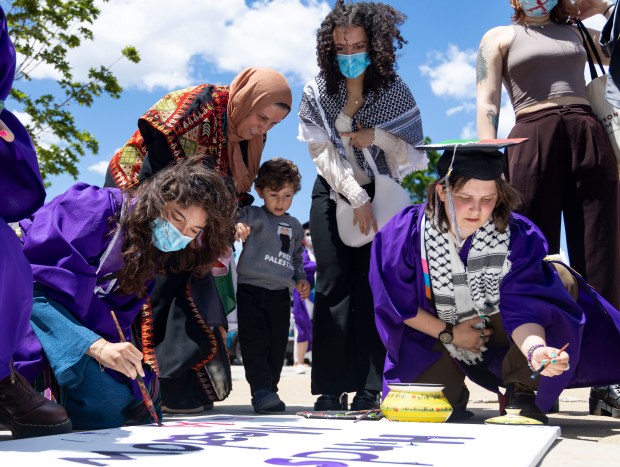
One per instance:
(353, 65)
(166, 237)
(536, 8)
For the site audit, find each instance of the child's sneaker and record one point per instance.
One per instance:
(266, 401)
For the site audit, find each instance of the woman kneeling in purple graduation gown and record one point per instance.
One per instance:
(461, 288)
(95, 250)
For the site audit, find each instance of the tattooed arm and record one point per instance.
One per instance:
(489, 79)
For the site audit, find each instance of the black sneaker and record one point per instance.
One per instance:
(331, 402)
(266, 401)
(605, 400)
(524, 397)
(459, 415)
(366, 400)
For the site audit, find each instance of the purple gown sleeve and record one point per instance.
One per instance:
(20, 180)
(21, 193)
(64, 240)
(533, 293)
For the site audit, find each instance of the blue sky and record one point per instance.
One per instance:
(209, 41)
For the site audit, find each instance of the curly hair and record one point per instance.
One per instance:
(563, 13)
(380, 22)
(186, 183)
(508, 200)
(275, 173)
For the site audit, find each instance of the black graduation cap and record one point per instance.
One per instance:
(481, 160)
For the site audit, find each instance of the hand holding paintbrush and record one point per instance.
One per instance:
(552, 361)
(145, 394)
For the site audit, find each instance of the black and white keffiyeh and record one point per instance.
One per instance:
(465, 291)
(393, 110)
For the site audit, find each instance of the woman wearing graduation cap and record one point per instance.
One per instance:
(461, 289)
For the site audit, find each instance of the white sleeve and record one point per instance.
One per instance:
(401, 156)
(337, 172)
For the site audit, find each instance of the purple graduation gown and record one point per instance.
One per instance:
(21, 193)
(64, 242)
(303, 323)
(530, 293)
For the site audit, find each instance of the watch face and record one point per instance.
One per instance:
(445, 337)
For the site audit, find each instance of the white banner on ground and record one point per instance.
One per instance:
(222, 440)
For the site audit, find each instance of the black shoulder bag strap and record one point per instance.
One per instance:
(588, 44)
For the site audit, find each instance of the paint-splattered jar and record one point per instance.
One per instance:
(416, 403)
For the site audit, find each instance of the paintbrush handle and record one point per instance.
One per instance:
(145, 394)
(147, 400)
(537, 373)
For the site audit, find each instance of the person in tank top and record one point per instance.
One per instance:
(567, 167)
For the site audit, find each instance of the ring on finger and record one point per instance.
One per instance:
(567, 366)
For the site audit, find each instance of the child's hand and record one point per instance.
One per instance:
(5, 133)
(303, 287)
(243, 231)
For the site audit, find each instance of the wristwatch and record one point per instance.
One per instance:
(446, 336)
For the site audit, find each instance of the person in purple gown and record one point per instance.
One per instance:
(461, 288)
(23, 411)
(302, 309)
(96, 250)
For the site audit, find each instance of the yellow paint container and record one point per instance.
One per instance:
(410, 402)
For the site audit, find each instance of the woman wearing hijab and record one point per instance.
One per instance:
(225, 127)
(461, 289)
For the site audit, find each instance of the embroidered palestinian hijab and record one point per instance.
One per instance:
(251, 89)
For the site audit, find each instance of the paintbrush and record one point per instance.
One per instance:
(537, 373)
(145, 394)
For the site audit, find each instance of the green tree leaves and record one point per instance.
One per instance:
(43, 32)
(416, 182)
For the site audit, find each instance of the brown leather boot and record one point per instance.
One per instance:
(27, 413)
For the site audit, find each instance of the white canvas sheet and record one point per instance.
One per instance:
(221, 440)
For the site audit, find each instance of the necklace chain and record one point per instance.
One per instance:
(357, 100)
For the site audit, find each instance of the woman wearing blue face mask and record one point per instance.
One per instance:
(567, 167)
(95, 250)
(357, 102)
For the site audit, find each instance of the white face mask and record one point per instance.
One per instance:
(307, 239)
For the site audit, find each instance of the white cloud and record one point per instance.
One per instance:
(452, 74)
(463, 107)
(469, 131)
(174, 38)
(46, 138)
(100, 167)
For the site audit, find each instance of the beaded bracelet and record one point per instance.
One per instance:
(101, 367)
(530, 353)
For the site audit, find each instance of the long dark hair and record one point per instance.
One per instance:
(186, 183)
(380, 21)
(508, 200)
